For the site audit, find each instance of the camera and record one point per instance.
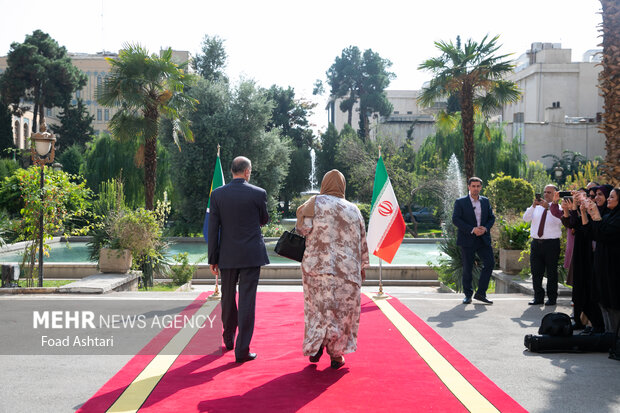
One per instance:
(566, 195)
(538, 197)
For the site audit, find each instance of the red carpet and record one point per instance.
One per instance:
(385, 374)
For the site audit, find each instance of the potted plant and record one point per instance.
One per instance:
(128, 236)
(514, 235)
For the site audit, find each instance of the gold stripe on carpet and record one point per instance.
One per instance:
(137, 392)
(454, 381)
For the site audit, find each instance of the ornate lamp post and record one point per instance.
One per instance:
(559, 172)
(42, 143)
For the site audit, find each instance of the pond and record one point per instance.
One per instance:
(416, 254)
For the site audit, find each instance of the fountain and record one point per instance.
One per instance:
(454, 187)
(312, 178)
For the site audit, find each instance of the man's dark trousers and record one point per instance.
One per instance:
(485, 252)
(544, 255)
(243, 318)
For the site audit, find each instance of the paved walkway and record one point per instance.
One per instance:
(491, 337)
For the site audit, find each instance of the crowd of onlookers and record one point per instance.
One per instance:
(592, 218)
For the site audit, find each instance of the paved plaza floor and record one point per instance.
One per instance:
(490, 337)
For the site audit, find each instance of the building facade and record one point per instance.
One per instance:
(560, 107)
(406, 118)
(96, 68)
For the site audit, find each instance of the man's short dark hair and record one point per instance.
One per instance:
(240, 164)
(474, 179)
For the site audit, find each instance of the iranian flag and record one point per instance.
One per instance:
(386, 228)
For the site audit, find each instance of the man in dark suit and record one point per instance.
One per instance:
(474, 218)
(237, 251)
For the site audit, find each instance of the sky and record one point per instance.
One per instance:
(293, 43)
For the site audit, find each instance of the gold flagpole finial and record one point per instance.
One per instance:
(218, 149)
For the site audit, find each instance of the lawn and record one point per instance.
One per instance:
(161, 287)
(46, 283)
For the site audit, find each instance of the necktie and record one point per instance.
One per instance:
(541, 227)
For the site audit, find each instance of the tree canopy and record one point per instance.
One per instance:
(6, 131)
(76, 126)
(475, 73)
(290, 117)
(211, 62)
(147, 88)
(355, 77)
(40, 72)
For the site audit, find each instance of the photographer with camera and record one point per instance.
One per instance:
(545, 231)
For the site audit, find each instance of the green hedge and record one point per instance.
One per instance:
(509, 194)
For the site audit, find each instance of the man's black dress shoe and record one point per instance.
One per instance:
(229, 343)
(249, 357)
(467, 300)
(535, 302)
(550, 302)
(482, 298)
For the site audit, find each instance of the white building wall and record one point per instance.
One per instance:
(556, 94)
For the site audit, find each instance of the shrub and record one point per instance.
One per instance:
(272, 230)
(509, 194)
(72, 159)
(450, 266)
(514, 234)
(183, 271)
(7, 167)
(365, 210)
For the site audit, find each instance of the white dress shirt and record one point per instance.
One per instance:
(477, 209)
(553, 225)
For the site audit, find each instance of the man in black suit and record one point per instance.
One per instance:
(474, 218)
(237, 251)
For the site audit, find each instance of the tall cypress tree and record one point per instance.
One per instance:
(76, 126)
(6, 131)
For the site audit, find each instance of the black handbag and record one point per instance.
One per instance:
(291, 245)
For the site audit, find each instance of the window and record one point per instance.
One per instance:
(98, 114)
(99, 80)
(78, 94)
(409, 112)
(106, 114)
(396, 112)
(48, 112)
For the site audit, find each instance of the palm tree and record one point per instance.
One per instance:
(609, 83)
(146, 89)
(475, 74)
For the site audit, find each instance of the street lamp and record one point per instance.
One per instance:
(558, 171)
(42, 143)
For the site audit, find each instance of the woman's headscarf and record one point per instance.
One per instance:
(605, 190)
(333, 184)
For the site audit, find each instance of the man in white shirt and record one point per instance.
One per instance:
(545, 232)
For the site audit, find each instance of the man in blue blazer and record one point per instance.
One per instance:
(474, 218)
(237, 251)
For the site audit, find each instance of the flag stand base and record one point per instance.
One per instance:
(380, 294)
(216, 294)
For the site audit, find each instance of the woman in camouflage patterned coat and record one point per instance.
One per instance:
(333, 270)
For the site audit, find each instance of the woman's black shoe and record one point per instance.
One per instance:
(317, 356)
(578, 326)
(336, 364)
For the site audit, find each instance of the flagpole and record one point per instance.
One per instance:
(380, 278)
(216, 293)
(380, 293)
